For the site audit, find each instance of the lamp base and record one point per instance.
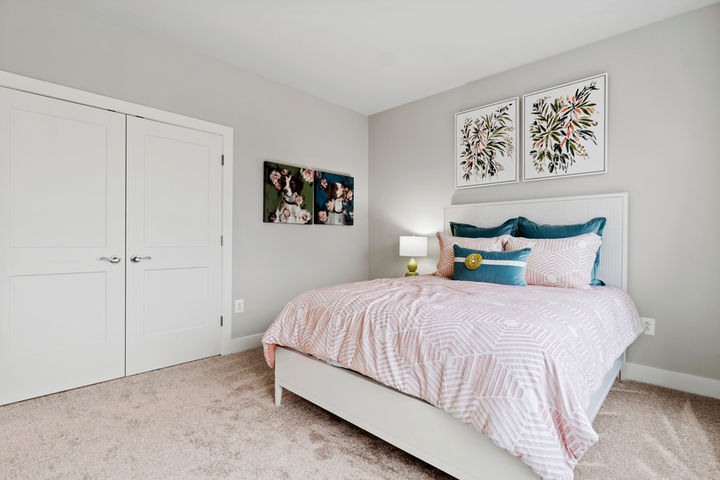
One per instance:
(412, 268)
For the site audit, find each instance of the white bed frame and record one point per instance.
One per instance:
(419, 428)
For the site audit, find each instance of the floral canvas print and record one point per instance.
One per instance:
(334, 199)
(486, 145)
(564, 130)
(287, 194)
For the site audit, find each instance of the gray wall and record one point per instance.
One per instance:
(272, 263)
(663, 122)
(663, 150)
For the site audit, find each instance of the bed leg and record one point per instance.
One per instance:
(619, 376)
(278, 392)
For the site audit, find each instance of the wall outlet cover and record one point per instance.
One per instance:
(648, 325)
(239, 305)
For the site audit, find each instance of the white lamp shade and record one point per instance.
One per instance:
(413, 246)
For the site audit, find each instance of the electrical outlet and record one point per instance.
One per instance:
(239, 305)
(648, 325)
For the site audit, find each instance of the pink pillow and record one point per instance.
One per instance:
(447, 256)
(559, 262)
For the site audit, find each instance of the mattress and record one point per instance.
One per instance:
(517, 363)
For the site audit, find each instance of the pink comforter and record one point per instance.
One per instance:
(517, 363)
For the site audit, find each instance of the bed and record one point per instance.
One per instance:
(549, 367)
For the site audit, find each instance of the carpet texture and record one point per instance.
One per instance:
(215, 419)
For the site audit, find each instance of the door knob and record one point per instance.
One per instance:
(138, 259)
(113, 259)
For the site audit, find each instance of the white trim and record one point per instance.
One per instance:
(39, 87)
(708, 387)
(227, 249)
(240, 344)
(60, 92)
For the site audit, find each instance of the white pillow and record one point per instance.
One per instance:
(559, 262)
(447, 255)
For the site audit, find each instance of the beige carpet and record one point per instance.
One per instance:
(215, 419)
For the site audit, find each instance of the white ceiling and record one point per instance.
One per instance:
(371, 55)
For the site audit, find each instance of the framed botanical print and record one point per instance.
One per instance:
(486, 145)
(565, 130)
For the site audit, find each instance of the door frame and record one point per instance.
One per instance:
(60, 92)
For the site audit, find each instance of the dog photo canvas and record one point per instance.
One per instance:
(288, 194)
(334, 199)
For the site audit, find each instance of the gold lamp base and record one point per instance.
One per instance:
(412, 267)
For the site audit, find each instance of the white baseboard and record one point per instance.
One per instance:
(708, 387)
(240, 344)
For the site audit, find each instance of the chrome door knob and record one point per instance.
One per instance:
(113, 259)
(138, 259)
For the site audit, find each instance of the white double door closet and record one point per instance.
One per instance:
(110, 245)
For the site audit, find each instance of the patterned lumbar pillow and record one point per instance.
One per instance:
(506, 268)
(445, 263)
(559, 262)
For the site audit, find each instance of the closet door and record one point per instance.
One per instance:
(62, 239)
(173, 244)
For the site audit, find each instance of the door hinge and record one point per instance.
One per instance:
(222, 159)
(222, 240)
(221, 320)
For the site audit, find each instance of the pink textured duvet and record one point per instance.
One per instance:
(517, 363)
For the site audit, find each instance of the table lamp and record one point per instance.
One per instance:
(413, 247)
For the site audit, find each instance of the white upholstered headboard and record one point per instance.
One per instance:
(559, 211)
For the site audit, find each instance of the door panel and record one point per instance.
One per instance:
(166, 316)
(177, 205)
(62, 208)
(174, 224)
(80, 296)
(56, 159)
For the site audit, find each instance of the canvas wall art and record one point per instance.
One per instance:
(564, 130)
(334, 199)
(486, 145)
(287, 194)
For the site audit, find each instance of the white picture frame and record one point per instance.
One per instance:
(475, 166)
(570, 146)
